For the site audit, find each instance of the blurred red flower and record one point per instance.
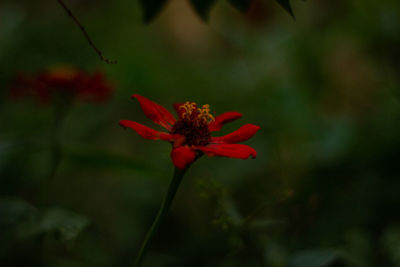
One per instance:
(190, 135)
(63, 82)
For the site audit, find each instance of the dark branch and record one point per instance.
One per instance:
(82, 28)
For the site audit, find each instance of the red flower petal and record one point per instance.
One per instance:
(146, 132)
(94, 88)
(220, 120)
(155, 112)
(242, 134)
(178, 110)
(228, 150)
(183, 156)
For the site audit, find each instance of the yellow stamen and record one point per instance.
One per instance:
(62, 71)
(188, 108)
(204, 113)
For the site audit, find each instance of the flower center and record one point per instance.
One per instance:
(193, 123)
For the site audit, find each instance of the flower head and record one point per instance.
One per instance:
(190, 134)
(65, 82)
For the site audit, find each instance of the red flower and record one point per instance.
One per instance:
(190, 135)
(65, 82)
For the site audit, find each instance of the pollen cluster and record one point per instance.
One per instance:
(191, 112)
(193, 123)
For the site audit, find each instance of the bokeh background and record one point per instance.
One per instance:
(323, 191)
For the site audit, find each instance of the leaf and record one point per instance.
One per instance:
(65, 224)
(151, 8)
(286, 5)
(242, 5)
(13, 211)
(315, 258)
(29, 222)
(203, 7)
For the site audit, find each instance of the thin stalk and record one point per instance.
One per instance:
(61, 109)
(162, 212)
(55, 149)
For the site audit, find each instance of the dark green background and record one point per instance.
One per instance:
(323, 191)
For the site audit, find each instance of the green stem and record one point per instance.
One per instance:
(61, 109)
(162, 212)
(55, 154)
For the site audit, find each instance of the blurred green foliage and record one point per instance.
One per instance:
(323, 190)
(151, 8)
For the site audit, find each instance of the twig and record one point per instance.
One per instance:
(83, 30)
